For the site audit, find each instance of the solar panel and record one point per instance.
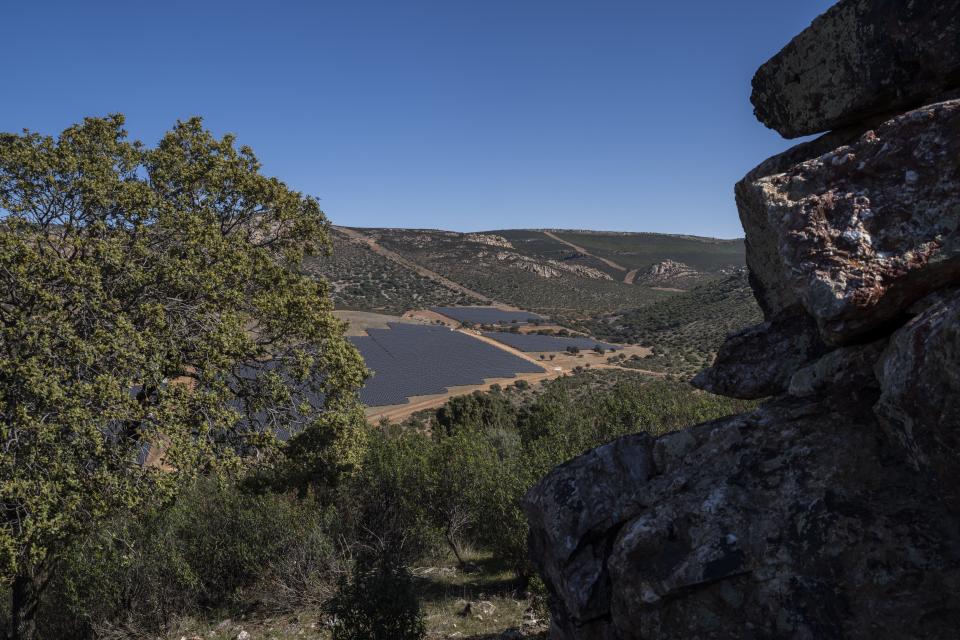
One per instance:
(532, 342)
(488, 315)
(415, 360)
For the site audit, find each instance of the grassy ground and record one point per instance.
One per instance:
(478, 603)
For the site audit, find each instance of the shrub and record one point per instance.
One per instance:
(378, 602)
(216, 549)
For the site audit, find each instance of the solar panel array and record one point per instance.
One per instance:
(487, 315)
(414, 360)
(532, 342)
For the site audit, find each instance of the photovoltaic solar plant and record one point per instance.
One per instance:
(488, 315)
(415, 360)
(532, 342)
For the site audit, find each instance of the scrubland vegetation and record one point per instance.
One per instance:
(641, 250)
(511, 275)
(183, 449)
(684, 331)
(363, 280)
(425, 522)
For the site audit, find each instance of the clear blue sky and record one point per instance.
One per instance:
(458, 114)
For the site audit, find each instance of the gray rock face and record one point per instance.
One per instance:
(862, 232)
(759, 361)
(859, 59)
(790, 522)
(832, 510)
(767, 275)
(920, 403)
(842, 371)
(565, 513)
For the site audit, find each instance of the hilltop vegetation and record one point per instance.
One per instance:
(685, 330)
(362, 280)
(531, 270)
(642, 250)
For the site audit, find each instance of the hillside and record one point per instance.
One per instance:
(363, 280)
(561, 273)
(685, 330)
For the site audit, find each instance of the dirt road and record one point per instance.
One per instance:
(579, 249)
(427, 273)
(631, 276)
(673, 289)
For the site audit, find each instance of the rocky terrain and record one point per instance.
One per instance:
(830, 511)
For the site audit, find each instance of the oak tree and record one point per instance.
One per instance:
(153, 325)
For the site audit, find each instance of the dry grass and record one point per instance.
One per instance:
(445, 589)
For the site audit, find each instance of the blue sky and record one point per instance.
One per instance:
(455, 114)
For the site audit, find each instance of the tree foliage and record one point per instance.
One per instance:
(149, 299)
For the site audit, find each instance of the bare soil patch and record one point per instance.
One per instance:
(359, 321)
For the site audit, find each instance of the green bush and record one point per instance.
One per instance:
(378, 602)
(217, 549)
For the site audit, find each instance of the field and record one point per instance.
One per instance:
(413, 360)
(359, 321)
(487, 315)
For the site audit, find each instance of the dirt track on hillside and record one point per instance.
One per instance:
(377, 248)
(630, 277)
(579, 249)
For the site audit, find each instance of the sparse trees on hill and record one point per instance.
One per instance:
(149, 298)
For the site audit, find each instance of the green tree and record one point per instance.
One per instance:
(149, 298)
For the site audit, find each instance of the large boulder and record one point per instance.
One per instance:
(579, 503)
(920, 402)
(861, 232)
(859, 59)
(767, 275)
(795, 521)
(759, 361)
(842, 371)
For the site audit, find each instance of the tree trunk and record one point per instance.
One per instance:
(451, 541)
(24, 601)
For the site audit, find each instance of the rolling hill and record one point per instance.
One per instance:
(561, 273)
(678, 294)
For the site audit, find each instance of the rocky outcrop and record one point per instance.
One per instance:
(547, 268)
(920, 402)
(833, 510)
(489, 239)
(759, 361)
(861, 58)
(671, 269)
(866, 229)
(790, 522)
